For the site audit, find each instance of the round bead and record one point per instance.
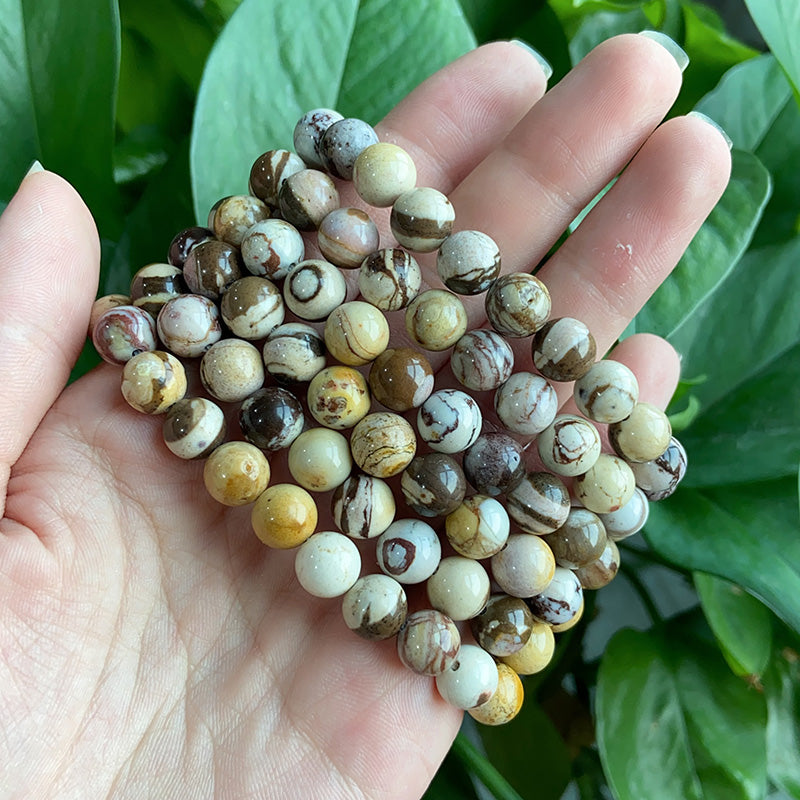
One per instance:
(293, 353)
(342, 143)
(236, 473)
(629, 518)
(503, 626)
(383, 444)
(271, 248)
(338, 397)
(375, 608)
(560, 601)
(313, 289)
(526, 403)
(211, 268)
(525, 566)
(601, 571)
(436, 319)
(579, 541)
(563, 349)
(660, 477)
(319, 459)
(505, 703)
(153, 381)
(569, 445)
(269, 171)
(606, 486)
(103, 304)
(271, 418)
(642, 436)
(363, 507)
(539, 503)
(433, 485)
(284, 516)
(429, 642)
(471, 680)
(327, 564)
(478, 528)
(459, 588)
(494, 464)
(122, 333)
(232, 370)
(154, 285)
(193, 428)
(189, 325)
(518, 304)
(482, 360)
(306, 198)
(382, 172)
(571, 623)
(408, 551)
(468, 262)
(536, 653)
(252, 307)
(235, 215)
(389, 279)
(449, 421)
(422, 219)
(183, 242)
(347, 236)
(607, 392)
(356, 333)
(401, 378)
(308, 132)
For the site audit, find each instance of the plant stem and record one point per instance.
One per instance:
(483, 769)
(636, 582)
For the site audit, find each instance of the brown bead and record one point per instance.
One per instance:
(579, 541)
(503, 626)
(428, 642)
(539, 503)
(211, 268)
(401, 378)
(602, 570)
(306, 198)
(233, 216)
(270, 170)
(154, 285)
(564, 349)
(433, 484)
(184, 241)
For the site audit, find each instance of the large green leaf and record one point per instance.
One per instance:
(782, 690)
(596, 28)
(779, 23)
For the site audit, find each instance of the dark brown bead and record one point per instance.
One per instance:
(563, 349)
(579, 541)
(154, 285)
(494, 464)
(211, 267)
(271, 418)
(433, 484)
(401, 378)
(504, 626)
(269, 171)
(183, 242)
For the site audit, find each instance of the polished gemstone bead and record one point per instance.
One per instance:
(347, 236)
(193, 427)
(338, 397)
(342, 143)
(536, 653)
(660, 477)
(600, 572)
(271, 418)
(152, 381)
(482, 360)
(478, 528)
(525, 566)
(211, 268)
(503, 627)
(356, 333)
(383, 444)
(494, 464)
(459, 588)
(642, 436)
(269, 171)
(154, 285)
(607, 392)
(629, 518)
(539, 503)
(122, 332)
(272, 248)
(234, 216)
(382, 172)
(236, 473)
(436, 319)
(606, 486)
(327, 564)
(232, 370)
(401, 378)
(422, 219)
(375, 607)
(579, 541)
(188, 325)
(308, 132)
(408, 551)
(306, 198)
(106, 303)
(526, 403)
(517, 304)
(471, 680)
(293, 353)
(449, 421)
(363, 507)
(183, 242)
(429, 642)
(313, 289)
(570, 623)
(563, 349)
(468, 262)
(319, 459)
(560, 601)
(433, 484)
(569, 445)
(389, 279)
(505, 703)
(284, 516)
(252, 307)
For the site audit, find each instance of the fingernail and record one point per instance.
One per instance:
(670, 45)
(714, 125)
(35, 167)
(542, 61)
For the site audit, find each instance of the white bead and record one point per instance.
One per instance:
(327, 564)
(525, 566)
(459, 588)
(471, 680)
(560, 601)
(569, 446)
(314, 288)
(526, 403)
(607, 392)
(408, 551)
(449, 421)
(629, 519)
(375, 607)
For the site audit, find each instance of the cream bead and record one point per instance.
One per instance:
(383, 444)
(459, 588)
(536, 653)
(607, 392)
(314, 288)
(478, 528)
(560, 600)
(569, 445)
(327, 564)
(356, 333)
(363, 507)
(642, 436)
(319, 459)
(382, 172)
(408, 551)
(629, 518)
(471, 680)
(375, 607)
(524, 566)
(606, 486)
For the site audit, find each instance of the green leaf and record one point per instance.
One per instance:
(779, 24)
(483, 769)
(603, 25)
(451, 782)
(573, 12)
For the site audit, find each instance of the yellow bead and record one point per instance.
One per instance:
(382, 172)
(505, 703)
(284, 516)
(236, 473)
(356, 333)
(570, 623)
(153, 381)
(642, 436)
(338, 397)
(536, 653)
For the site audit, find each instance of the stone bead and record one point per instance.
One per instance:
(494, 464)
(503, 627)
(449, 421)
(342, 143)
(389, 279)
(536, 653)
(525, 566)
(189, 325)
(518, 304)
(271, 418)
(526, 403)
(570, 623)
(539, 503)
(382, 172)
(363, 507)
(232, 370)
(308, 132)
(271, 248)
(293, 353)
(211, 268)
(338, 397)
(505, 703)
(153, 381)
(629, 518)
(408, 551)
(284, 516)
(468, 262)
(459, 588)
(563, 349)
(422, 219)
(154, 285)
(313, 289)
(401, 378)
(383, 444)
(436, 319)
(347, 236)
(106, 303)
(306, 198)
(607, 392)
(235, 215)
(560, 601)
(122, 333)
(327, 564)
(606, 486)
(433, 484)
(356, 333)
(429, 642)
(375, 607)
(236, 473)
(471, 680)
(269, 171)
(660, 477)
(319, 459)
(569, 445)
(183, 242)
(482, 360)
(579, 541)
(642, 436)
(193, 428)
(600, 572)
(252, 307)
(478, 528)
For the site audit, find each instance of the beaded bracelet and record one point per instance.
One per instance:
(223, 279)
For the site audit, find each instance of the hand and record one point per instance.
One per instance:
(150, 645)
